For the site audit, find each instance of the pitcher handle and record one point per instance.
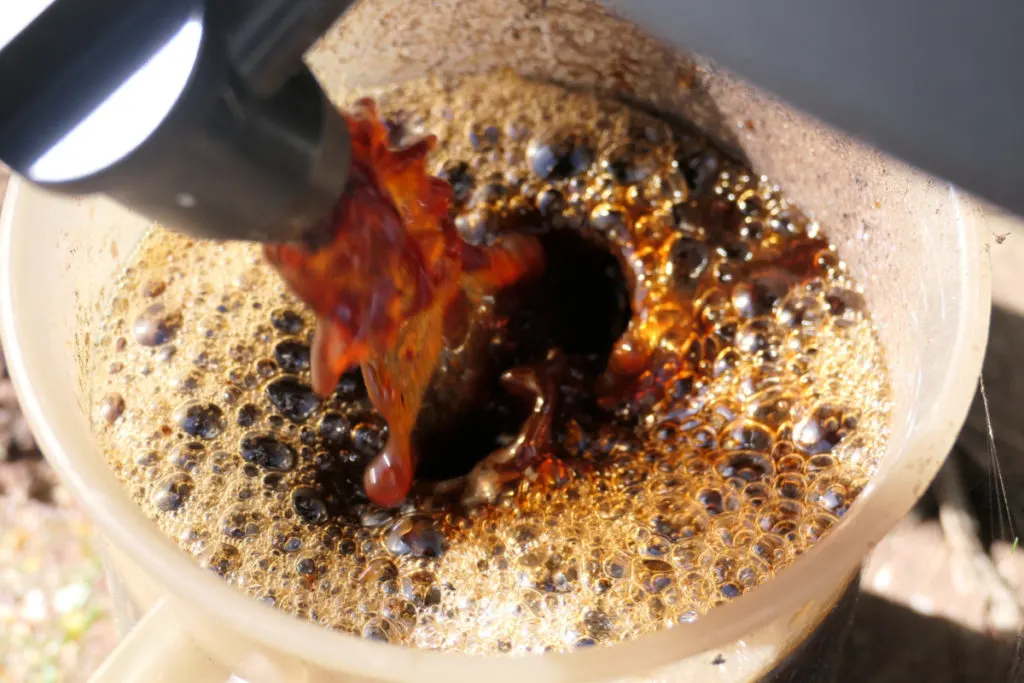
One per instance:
(159, 649)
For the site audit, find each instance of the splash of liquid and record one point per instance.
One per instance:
(387, 282)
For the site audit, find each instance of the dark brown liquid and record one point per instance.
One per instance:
(392, 281)
(683, 399)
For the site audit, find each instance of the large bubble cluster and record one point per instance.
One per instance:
(730, 426)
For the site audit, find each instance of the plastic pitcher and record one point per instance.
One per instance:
(914, 243)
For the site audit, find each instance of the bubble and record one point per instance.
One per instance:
(488, 193)
(417, 536)
(820, 431)
(750, 203)
(770, 407)
(221, 462)
(186, 456)
(711, 500)
(205, 420)
(477, 227)
(307, 436)
(184, 383)
(559, 155)
(770, 549)
(832, 496)
(460, 177)
(820, 463)
(292, 398)
(482, 137)
(550, 203)
(781, 518)
(845, 304)
(223, 559)
(815, 529)
(630, 164)
(378, 629)
(826, 261)
(730, 590)
(611, 221)
(379, 571)
(155, 325)
(617, 567)
(368, 438)
(229, 396)
(334, 431)
(171, 492)
(747, 465)
(801, 311)
(598, 624)
(248, 415)
(238, 522)
(152, 288)
(687, 259)
(790, 485)
(147, 459)
(267, 452)
(787, 461)
(761, 337)
(699, 171)
(746, 435)
(240, 353)
(372, 516)
(292, 356)
(761, 293)
(287, 321)
(111, 408)
(266, 368)
(309, 505)
(285, 538)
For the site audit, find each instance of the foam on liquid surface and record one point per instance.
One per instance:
(753, 411)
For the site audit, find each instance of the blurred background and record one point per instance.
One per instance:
(941, 596)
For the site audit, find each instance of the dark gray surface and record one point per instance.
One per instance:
(938, 84)
(248, 147)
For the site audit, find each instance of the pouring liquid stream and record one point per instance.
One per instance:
(384, 285)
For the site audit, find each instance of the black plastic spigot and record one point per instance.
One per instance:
(199, 114)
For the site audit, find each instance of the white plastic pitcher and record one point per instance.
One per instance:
(913, 242)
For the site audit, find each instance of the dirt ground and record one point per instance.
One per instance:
(940, 598)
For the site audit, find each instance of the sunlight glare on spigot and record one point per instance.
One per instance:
(128, 116)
